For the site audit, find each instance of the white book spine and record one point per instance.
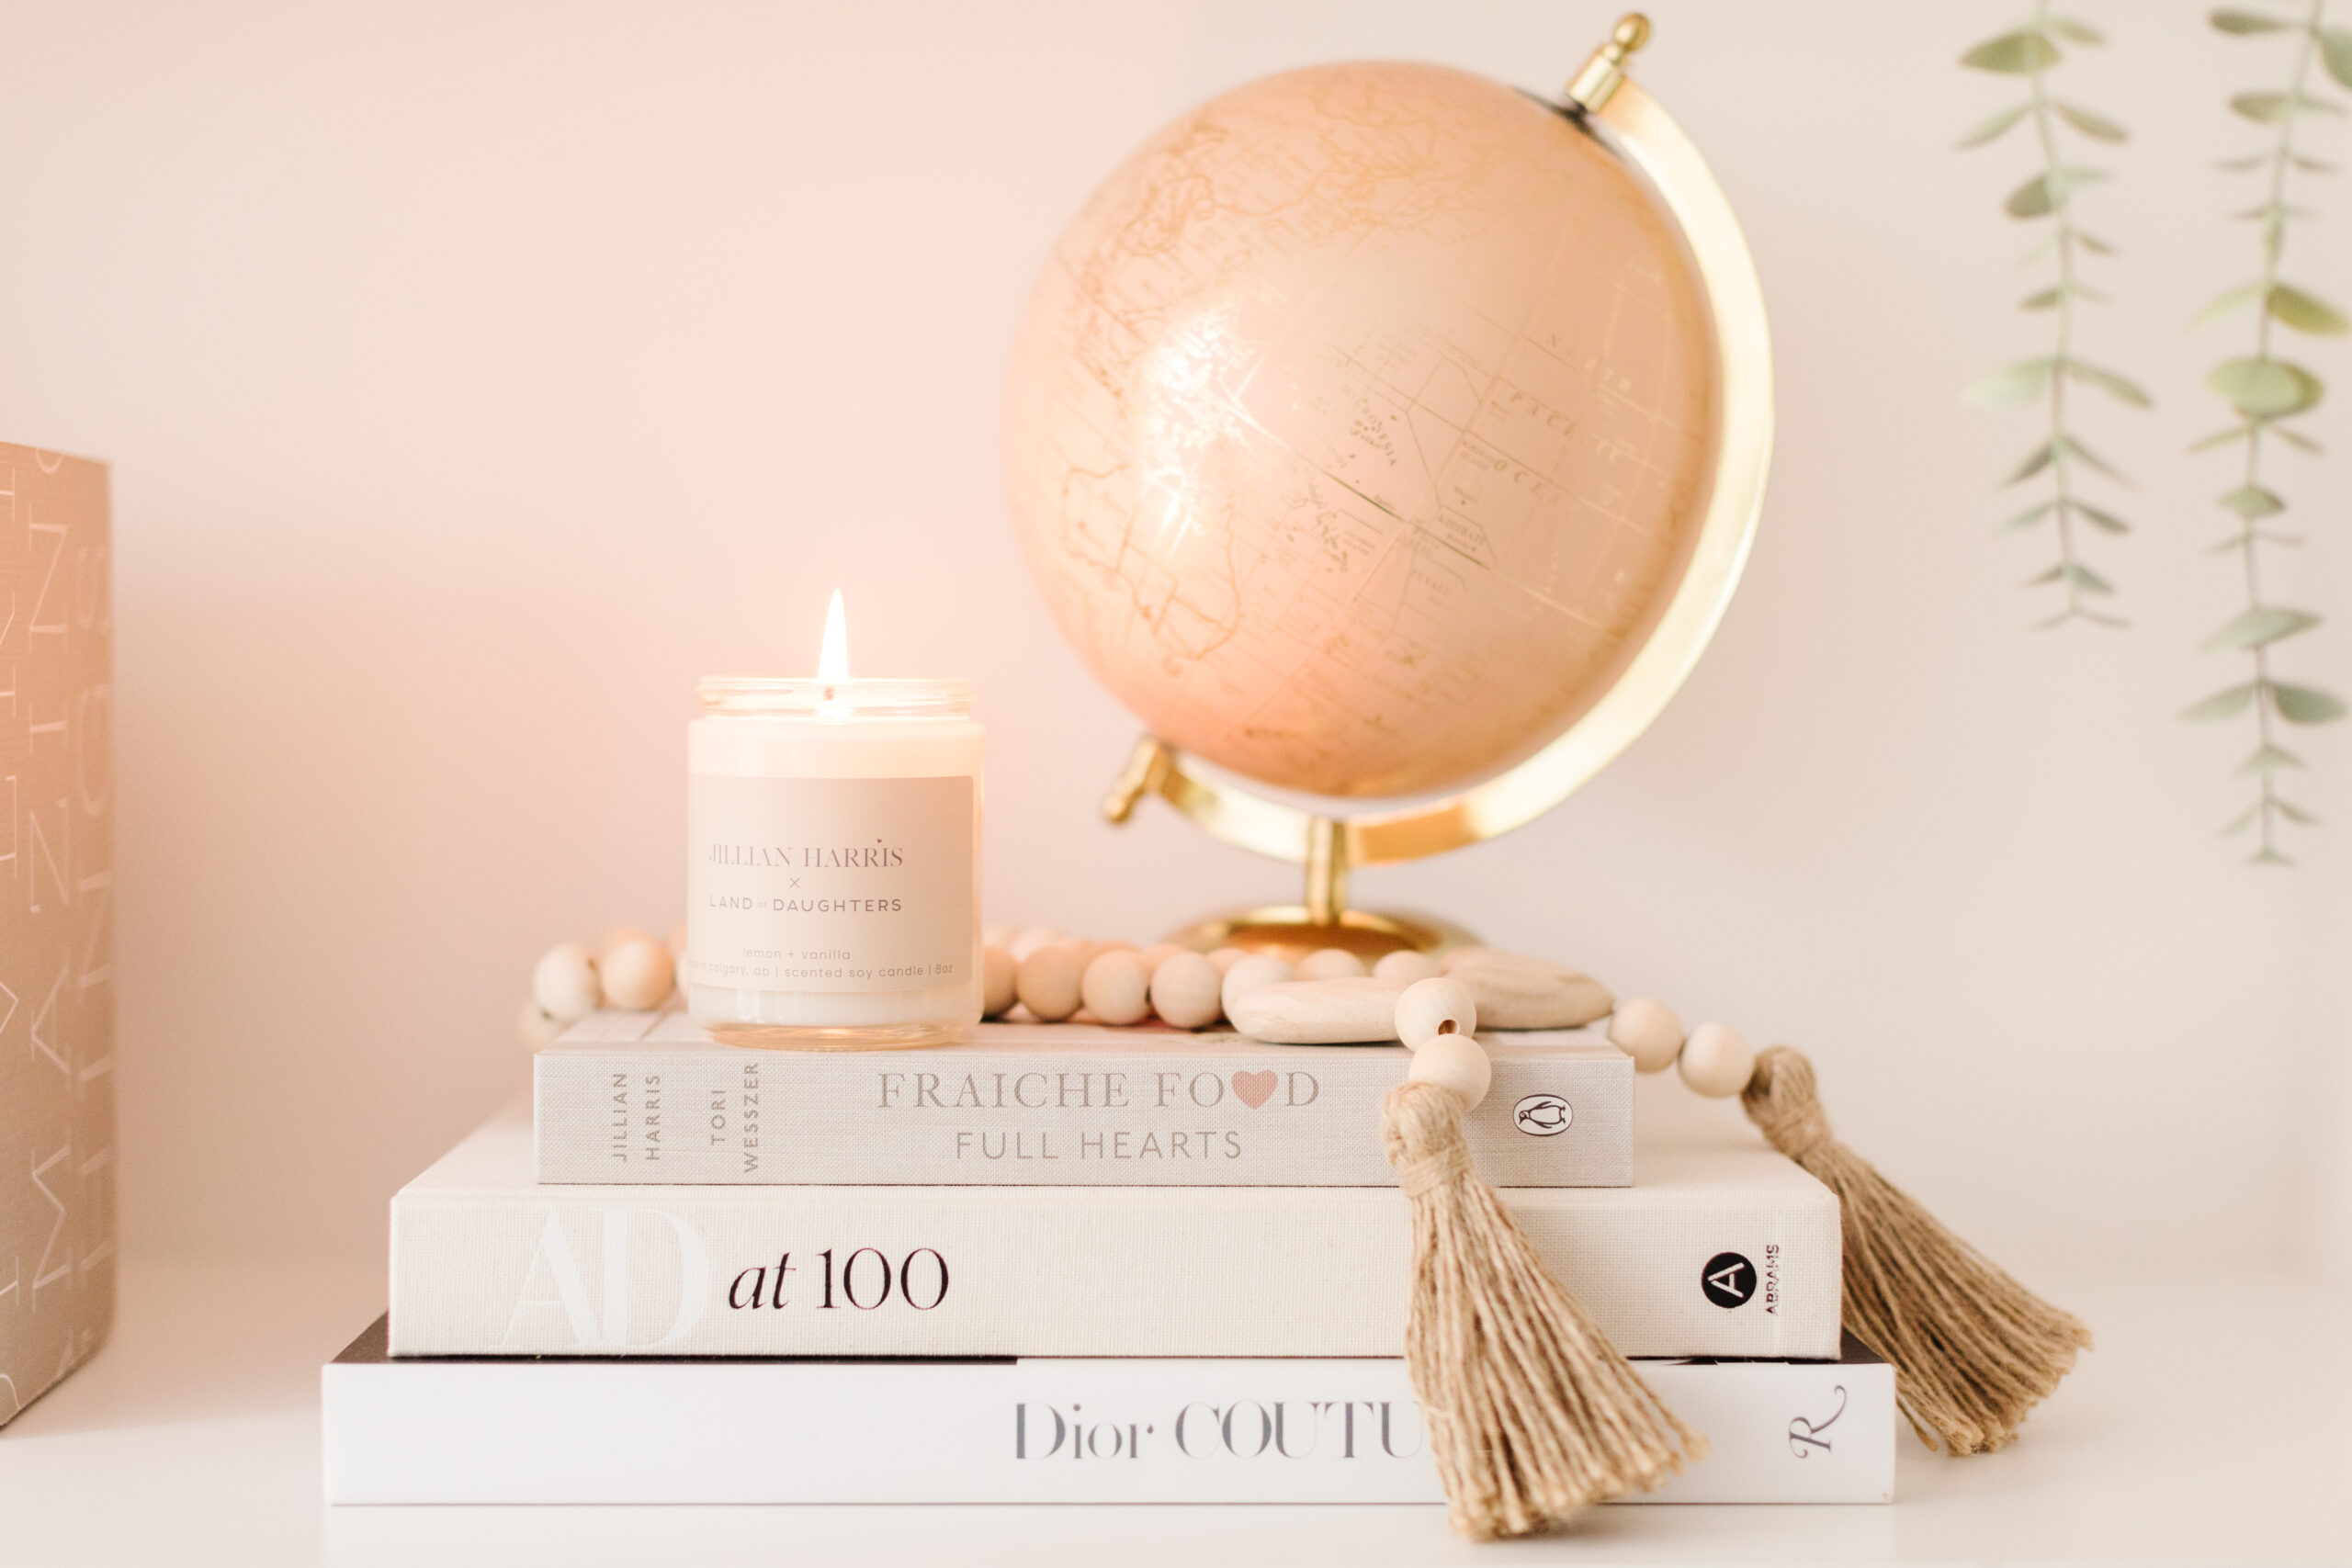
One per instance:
(1729, 1253)
(627, 1098)
(1025, 1432)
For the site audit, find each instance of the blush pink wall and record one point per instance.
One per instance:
(477, 375)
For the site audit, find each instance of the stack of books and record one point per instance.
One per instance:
(1052, 1264)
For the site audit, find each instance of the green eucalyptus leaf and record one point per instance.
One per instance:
(2098, 127)
(2018, 53)
(2296, 438)
(2265, 388)
(2241, 821)
(2267, 759)
(2269, 108)
(2230, 20)
(2294, 813)
(2067, 446)
(2311, 166)
(2013, 387)
(2080, 31)
(2246, 165)
(1987, 130)
(2305, 704)
(2093, 244)
(2034, 462)
(2086, 580)
(2258, 627)
(2219, 438)
(2251, 500)
(2335, 53)
(2305, 313)
(2048, 191)
(2223, 305)
(2030, 517)
(2267, 855)
(2227, 702)
(2107, 381)
(2106, 520)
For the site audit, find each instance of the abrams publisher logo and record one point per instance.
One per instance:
(1543, 1115)
(1729, 1279)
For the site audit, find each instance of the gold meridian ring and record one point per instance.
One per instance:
(1629, 123)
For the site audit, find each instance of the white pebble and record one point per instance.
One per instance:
(1160, 952)
(537, 1030)
(1050, 981)
(1716, 1060)
(1248, 973)
(998, 969)
(1433, 1008)
(1646, 1030)
(1331, 964)
(1225, 958)
(565, 982)
(638, 974)
(1185, 991)
(1407, 965)
(1117, 987)
(1455, 1060)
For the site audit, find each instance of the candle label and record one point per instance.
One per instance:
(831, 884)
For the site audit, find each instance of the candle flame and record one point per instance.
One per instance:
(832, 662)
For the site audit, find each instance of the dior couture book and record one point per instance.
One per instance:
(1724, 1250)
(646, 1097)
(1307, 1430)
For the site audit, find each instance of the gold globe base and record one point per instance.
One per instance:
(1291, 931)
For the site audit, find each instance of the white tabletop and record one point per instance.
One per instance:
(2213, 1422)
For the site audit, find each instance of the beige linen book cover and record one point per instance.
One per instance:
(57, 1151)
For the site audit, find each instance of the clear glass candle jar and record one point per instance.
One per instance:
(833, 862)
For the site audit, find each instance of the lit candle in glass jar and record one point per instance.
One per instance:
(833, 868)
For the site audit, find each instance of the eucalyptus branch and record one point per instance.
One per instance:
(2032, 52)
(2264, 391)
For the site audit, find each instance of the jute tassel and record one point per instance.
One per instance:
(1972, 1350)
(1531, 1414)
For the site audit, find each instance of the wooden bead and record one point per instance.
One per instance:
(638, 974)
(565, 983)
(1432, 1008)
(1225, 958)
(1000, 971)
(1160, 952)
(1716, 1060)
(1517, 992)
(537, 1030)
(1246, 973)
(1032, 939)
(1049, 982)
(1117, 987)
(1407, 965)
(1331, 964)
(1186, 991)
(1646, 1030)
(1354, 1009)
(1455, 1060)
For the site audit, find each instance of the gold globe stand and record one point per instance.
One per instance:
(1627, 122)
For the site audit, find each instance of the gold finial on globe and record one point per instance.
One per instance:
(1377, 430)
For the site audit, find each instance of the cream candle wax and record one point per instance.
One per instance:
(833, 832)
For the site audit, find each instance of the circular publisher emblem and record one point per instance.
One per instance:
(1543, 1115)
(1729, 1279)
